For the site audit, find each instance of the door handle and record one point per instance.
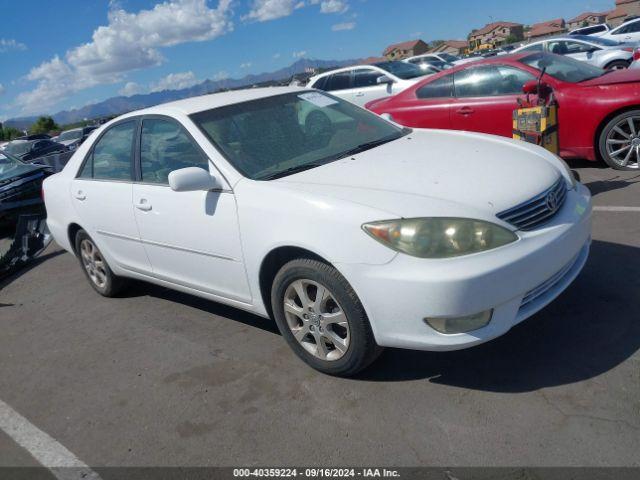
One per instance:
(360, 94)
(80, 195)
(465, 111)
(143, 205)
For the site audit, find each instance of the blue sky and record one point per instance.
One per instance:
(66, 54)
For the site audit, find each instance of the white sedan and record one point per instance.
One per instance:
(352, 233)
(362, 84)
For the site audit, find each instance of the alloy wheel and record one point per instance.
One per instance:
(316, 320)
(623, 143)
(93, 263)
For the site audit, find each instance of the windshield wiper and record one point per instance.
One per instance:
(290, 171)
(364, 147)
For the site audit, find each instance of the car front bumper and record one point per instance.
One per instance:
(515, 281)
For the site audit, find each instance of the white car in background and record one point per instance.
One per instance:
(354, 234)
(597, 51)
(628, 32)
(363, 83)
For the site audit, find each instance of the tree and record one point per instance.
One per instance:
(511, 39)
(9, 133)
(43, 125)
(436, 43)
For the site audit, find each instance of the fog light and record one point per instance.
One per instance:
(453, 325)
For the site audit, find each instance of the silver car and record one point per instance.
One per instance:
(599, 52)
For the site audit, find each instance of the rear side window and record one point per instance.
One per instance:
(490, 81)
(440, 88)
(538, 47)
(165, 147)
(320, 83)
(111, 156)
(338, 81)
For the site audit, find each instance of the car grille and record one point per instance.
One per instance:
(538, 210)
(548, 284)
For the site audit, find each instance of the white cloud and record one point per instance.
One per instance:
(299, 54)
(1, 89)
(129, 42)
(174, 81)
(331, 6)
(343, 26)
(130, 88)
(276, 55)
(264, 10)
(11, 44)
(246, 65)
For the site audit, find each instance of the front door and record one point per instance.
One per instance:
(191, 238)
(366, 87)
(101, 195)
(485, 98)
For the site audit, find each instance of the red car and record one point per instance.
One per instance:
(598, 111)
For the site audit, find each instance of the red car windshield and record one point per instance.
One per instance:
(562, 68)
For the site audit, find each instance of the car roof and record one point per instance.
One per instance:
(192, 105)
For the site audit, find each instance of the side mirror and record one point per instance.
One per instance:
(384, 80)
(191, 179)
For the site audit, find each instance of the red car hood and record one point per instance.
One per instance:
(617, 76)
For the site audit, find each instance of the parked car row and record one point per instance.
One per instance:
(33, 147)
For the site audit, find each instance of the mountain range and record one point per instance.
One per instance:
(119, 105)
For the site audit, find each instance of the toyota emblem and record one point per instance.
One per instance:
(552, 201)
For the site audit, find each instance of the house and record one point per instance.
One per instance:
(624, 9)
(454, 47)
(495, 34)
(546, 29)
(586, 19)
(402, 50)
(372, 60)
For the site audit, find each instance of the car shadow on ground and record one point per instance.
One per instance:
(615, 182)
(590, 329)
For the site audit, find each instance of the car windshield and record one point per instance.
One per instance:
(11, 166)
(563, 68)
(603, 42)
(70, 135)
(19, 148)
(401, 70)
(448, 57)
(283, 134)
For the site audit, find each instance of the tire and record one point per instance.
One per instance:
(96, 268)
(617, 65)
(338, 320)
(621, 152)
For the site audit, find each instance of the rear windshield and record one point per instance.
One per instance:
(563, 68)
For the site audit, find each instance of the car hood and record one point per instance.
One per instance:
(614, 77)
(436, 172)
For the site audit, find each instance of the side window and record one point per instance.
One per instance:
(577, 47)
(365, 78)
(165, 147)
(440, 88)
(110, 158)
(633, 27)
(538, 47)
(320, 83)
(490, 81)
(338, 81)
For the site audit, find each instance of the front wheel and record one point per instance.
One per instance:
(321, 318)
(619, 142)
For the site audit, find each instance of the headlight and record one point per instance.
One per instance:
(439, 237)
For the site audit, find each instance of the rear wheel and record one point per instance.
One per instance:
(619, 142)
(617, 65)
(96, 268)
(321, 318)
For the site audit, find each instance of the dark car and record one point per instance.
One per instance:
(35, 136)
(22, 213)
(74, 138)
(29, 150)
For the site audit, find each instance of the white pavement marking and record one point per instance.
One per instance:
(63, 464)
(616, 209)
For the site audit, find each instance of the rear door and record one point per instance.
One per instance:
(626, 33)
(485, 98)
(432, 107)
(339, 84)
(101, 195)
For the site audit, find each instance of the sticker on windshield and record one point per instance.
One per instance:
(318, 99)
